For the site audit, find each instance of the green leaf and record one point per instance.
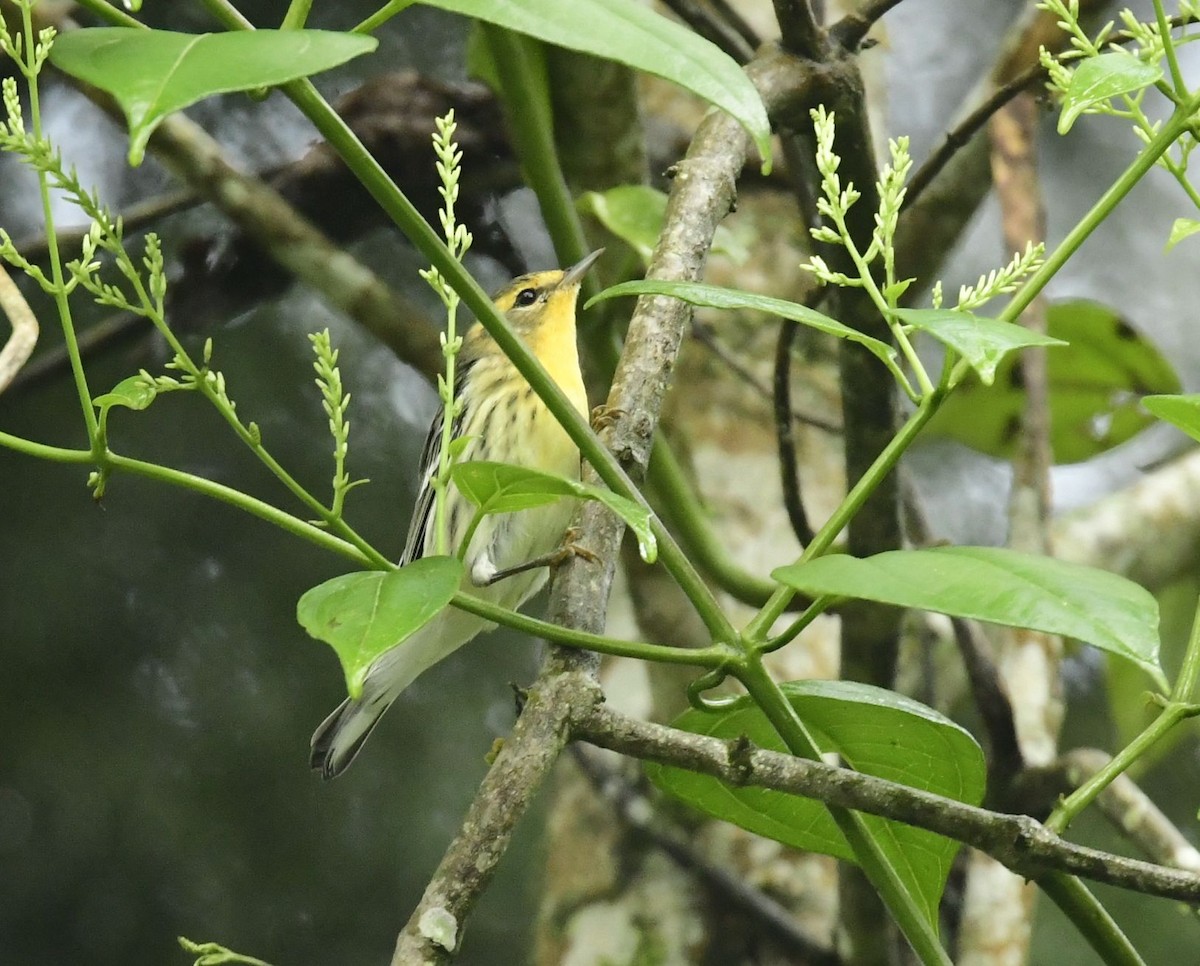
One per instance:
(982, 342)
(1099, 78)
(136, 392)
(362, 615)
(629, 33)
(635, 213)
(505, 488)
(152, 73)
(1096, 385)
(876, 732)
(713, 296)
(1181, 229)
(1181, 411)
(1001, 587)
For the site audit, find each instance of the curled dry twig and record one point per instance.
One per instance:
(25, 330)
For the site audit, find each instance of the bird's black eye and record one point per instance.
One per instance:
(527, 296)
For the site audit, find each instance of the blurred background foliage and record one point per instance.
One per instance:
(157, 695)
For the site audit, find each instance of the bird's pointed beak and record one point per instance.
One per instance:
(574, 275)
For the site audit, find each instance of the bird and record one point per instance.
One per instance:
(504, 420)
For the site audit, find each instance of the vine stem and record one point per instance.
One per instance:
(1177, 709)
(760, 625)
(1091, 919)
(1178, 122)
(913, 922)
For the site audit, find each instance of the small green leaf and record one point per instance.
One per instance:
(1181, 229)
(629, 33)
(136, 392)
(505, 488)
(1001, 587)
(1178, 410)
(1096, 385)
(876, 732)
(1099, 78)
(152, 73)
(362, 615)
(635, 213)
(982, 342)
(713, 296)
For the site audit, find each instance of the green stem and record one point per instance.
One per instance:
(61, 302)
(198, 484)
(793, 630)
(532, 128)
(1086, 793)
(1164, 31)
(1154, 149)
(382, 16)
(713, 656)
(42, 451)
(114, 15)
(297, 15)
(1091, 919)
(1189, 673)
(912, 921)
(760, 625)
(682, 507)
(255, 507)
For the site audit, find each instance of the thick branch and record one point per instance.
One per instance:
(1016, 841)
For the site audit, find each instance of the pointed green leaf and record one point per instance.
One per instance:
(1096, 385)
(982, 342)
(1178, 410)
(635, 213)
(1097, 79)
(152, 73)
(713, 296)
(629, 33)
(136, 392)
(1182, 228)
(1001, 587)
(362, 615)
(876, 732)
(506, 488)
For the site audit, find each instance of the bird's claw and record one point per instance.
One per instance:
(605, 416)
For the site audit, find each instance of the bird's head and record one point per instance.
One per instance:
(543, 299)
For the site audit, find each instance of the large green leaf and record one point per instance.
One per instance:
(876, 732)
(1096, 383)
(635, 213)
(506, 488)
(983, 342)
(152, 73)
(362, 615)
(629, 33)
(713, 296)
(1097, 79)
(1001, 587)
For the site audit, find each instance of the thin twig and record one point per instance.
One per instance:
(704, 334)
(726, 12)
(1017, 841)
(852, 28)
(702, 20)
(20, 343)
